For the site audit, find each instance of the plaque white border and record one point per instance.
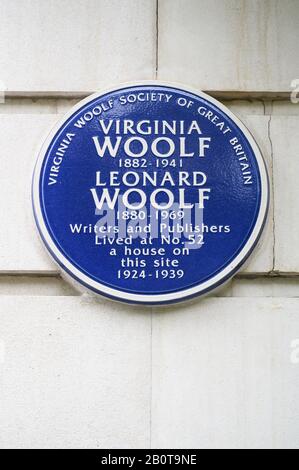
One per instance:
(151, 299)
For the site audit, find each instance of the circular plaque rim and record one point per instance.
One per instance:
(151, 299)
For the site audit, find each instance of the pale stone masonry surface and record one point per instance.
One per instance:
(217, 372)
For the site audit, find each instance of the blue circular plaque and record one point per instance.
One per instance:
(150, 193)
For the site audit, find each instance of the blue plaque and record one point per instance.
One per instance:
(150, 193)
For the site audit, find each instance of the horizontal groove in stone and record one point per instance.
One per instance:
(42, 285)
(219, 94)
(51, 274)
